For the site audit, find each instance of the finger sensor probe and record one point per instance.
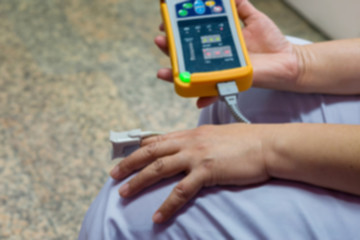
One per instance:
(125, 143)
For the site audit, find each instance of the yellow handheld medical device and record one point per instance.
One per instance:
(206, 46)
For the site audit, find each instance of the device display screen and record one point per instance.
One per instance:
(208, 45)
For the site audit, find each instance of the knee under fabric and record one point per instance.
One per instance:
(274, 210)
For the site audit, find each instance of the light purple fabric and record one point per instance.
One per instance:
(269, 106)
(274, 210)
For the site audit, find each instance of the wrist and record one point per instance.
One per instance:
(267, 138)
(278, 147)
(303, 57)
(279, 71)
(268, 147)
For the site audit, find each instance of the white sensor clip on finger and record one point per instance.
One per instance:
(125, 143)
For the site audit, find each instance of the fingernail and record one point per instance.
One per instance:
(158, 217)
(124, 190)
(115, 172)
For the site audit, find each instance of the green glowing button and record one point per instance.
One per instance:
(187, 5)
(185, 77)
(183, 13)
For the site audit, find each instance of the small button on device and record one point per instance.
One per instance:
(183, 12)
(185, 77)
(199, 7)
(187, 5)
(217, 9)
(210, 3)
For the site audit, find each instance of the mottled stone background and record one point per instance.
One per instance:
(70, 71)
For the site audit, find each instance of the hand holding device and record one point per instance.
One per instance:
(273, 57)
(205, 45)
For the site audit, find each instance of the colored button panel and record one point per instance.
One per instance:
(192, 8)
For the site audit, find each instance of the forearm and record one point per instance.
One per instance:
(329, 67)
(319, 154)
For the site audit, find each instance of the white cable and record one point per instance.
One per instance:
(228, 92)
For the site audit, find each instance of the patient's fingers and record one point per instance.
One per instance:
(205, 101)
(144, 156)
(160, 169)
(165, 74)
(181, 194)
(161, 42)
(162, 27)
(247, 12)
(167, 137)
